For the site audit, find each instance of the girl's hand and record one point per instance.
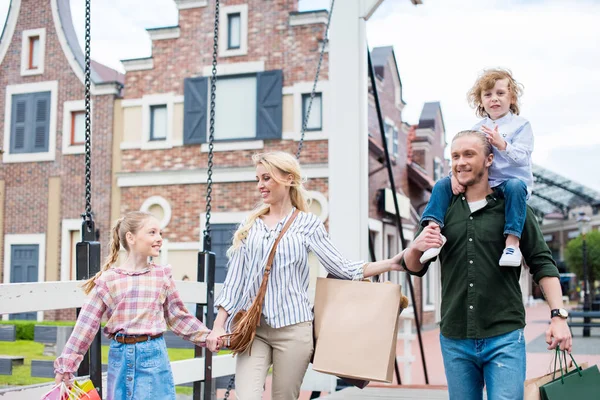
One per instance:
(456, 187)
(494, 137)
(214, 341)
(397, 261)
(66, 378)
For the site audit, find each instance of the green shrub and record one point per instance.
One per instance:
(25, 329)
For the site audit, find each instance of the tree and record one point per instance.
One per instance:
(574, 256)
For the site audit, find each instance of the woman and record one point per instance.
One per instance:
(284, 337)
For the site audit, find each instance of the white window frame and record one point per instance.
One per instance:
(38, 87)
(392, 125)
(27, 34)
(322, 200)
(224, 51)
(70, 107)
(227, 217)
(163, 203)
(32, 239)
(297, 90)
(68, 226)
(167, 99)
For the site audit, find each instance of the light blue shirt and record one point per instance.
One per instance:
(286, 301)
(515, 161)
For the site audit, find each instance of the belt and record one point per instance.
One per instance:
(132, 339)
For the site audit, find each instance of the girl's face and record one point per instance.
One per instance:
(148, 240)
(497, 100)
(271, 192)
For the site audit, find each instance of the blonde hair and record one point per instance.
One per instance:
(279, 165)
(486, 145)
(131, 222)
(486, 81)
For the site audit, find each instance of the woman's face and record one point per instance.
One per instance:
(271, 192)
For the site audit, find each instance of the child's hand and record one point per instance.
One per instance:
(214, 341)
(456, 187)
(494, 137)
(66, 377)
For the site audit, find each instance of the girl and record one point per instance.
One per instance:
(284, 338)
(495, 96)
(140, 299)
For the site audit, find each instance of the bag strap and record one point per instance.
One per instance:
(274, 248)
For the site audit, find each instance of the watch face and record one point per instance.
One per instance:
(563, 313)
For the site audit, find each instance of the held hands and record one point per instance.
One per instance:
(213, 340)
(456, 187)
(494, 137)
(559, 334)
(397, 261)
(429, 237)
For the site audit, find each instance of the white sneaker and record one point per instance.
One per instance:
(511, 257)
(433, 252)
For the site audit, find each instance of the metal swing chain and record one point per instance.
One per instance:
(211, 135)
(87, 216)
(314, 88)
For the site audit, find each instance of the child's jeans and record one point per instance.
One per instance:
(514, 191)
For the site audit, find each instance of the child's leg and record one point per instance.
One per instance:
(515, 195)
(438, 203)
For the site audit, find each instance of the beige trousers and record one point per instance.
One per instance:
(288, 349)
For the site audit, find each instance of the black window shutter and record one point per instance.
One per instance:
(18, 124)
(194, 110)
(41, 122)
(269, 105)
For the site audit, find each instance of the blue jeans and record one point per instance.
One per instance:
(139, 371)
(498, 361)
(513, 190)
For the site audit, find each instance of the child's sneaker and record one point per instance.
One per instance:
(511, 257)
(433, 252)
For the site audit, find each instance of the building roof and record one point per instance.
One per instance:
(379, 58)
(429, 115)
(553, 193)
(99, 73)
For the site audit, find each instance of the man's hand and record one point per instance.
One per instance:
(456, 187)
(559, 334)
(494, 137)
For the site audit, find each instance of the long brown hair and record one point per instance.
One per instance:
(130, 222)
(278, 164)
(486, 81)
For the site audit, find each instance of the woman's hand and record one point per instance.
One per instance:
(66, 378)
(397, 261)
(214, 341)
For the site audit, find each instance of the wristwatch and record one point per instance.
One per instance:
(559, 312)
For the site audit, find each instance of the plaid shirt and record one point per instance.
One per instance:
(140, 302)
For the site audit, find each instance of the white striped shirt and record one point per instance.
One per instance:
(286, 301)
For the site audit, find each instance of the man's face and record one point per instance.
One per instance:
(469, 163)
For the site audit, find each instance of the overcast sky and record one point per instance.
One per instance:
(552, 47)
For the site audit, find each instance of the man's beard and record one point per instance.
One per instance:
(476, 179)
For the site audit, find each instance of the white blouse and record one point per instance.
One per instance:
(286, 301)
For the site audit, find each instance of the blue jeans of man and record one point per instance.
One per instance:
(499, 362)
(513, 190)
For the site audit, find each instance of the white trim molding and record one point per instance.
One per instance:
(68, 108)
(198, 176)
(228, 217)
(25, 51)
(309, 18)
(163, 203)
(68, 226)
(297, 90)
(187, 4)
(167, 99)
(233, 146)
(322, 200)
(37, 87)
(138, 64)
(16, 239)
(169, 32)
(9, 27)
(249, 67)
(425, 132)
(241, 9)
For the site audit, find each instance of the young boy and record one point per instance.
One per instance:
(495, 97)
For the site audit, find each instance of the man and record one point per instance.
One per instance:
(482, 308)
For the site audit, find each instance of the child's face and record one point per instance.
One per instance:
(497, 101)
(148, 240)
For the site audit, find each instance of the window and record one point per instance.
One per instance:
(315, 120)
(389, 137)
(237, 97)
(395, 143)
(438, 169)
(34, 52)
(77, 128)
(158, 122)
(234, 33)
(30, 122)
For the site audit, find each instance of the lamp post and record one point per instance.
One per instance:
(583, 222)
